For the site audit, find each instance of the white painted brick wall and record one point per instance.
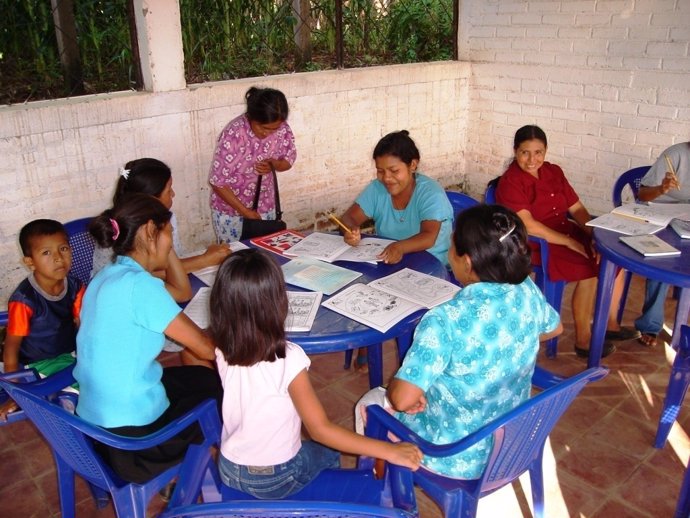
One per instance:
(60, 159)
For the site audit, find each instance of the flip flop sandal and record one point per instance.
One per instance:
(647, 339)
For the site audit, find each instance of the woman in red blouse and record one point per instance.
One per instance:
(549, 207)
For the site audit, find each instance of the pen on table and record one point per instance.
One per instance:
(335, 220)
(672, 170)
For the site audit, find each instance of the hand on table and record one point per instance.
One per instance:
(216, 254)
(392, 254)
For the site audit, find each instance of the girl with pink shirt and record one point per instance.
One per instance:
(267, 390)
(251, 146)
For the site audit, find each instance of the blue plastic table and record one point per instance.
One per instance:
(672, 270)
(334, 332)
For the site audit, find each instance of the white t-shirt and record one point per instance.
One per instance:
(261, 426)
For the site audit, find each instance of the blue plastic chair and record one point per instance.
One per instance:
(460, 201)
(678, 384)
(199, 477)
(630, 179)
(552, 290)
(23, 376)
(518, 446)
(284, 509)
(72, 442)
(83, 244)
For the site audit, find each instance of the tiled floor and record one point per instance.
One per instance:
(605, 465)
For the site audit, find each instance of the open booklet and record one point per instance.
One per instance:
(331, 247)
(384, 302)
(639, 218)
(302, 309)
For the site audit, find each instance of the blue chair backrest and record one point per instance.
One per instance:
(284, 509)
(460, 201)
(518, 435)
(490, 193)
(83, 244)
(632, 179)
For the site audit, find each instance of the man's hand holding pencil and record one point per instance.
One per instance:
(670, 181)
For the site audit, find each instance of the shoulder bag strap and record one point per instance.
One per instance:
(255, 205)
(279, 213)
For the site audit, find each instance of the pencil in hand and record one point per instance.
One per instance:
(335, 220)
(671, 170)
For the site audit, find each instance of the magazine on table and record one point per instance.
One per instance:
(650, 246)
(312, 274)
(278, 242)
(331, 247)
(384, 302)
(302, 309)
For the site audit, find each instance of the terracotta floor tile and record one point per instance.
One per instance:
(602, 463)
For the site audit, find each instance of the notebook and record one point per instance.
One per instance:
(650, 246)
(682, 228)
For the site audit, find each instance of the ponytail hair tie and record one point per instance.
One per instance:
(116, 229)
(124, 173)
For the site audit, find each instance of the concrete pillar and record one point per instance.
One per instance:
(159, 35)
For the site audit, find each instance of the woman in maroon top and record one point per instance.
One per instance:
(549, 207)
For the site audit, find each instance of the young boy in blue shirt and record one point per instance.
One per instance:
(43, 311)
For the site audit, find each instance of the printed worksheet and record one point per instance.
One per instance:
(624, 225)
(371, 306)
(302, 309)
(366, 251)
(424, 289)
(198, 308)
(331, 247)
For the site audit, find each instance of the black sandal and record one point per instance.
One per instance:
(607, 349)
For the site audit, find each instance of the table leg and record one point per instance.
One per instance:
(682, 310)
(607, 276)
(404, 341)
(375, 356)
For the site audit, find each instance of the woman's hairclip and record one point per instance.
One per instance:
(510, 231)
(124, 173)
(116, 229)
